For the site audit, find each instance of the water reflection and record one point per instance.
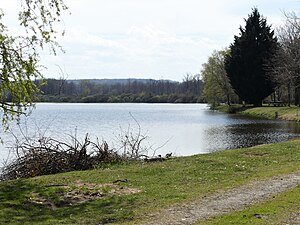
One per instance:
(249, 133)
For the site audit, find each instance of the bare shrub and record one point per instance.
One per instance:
(134, 144)
(131, 142)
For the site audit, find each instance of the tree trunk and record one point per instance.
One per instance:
(297, 95)
(228, 99)
(274, 96)
(297, 91)
(289, 94)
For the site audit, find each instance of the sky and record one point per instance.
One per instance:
(159, 39)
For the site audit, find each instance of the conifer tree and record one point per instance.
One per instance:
(246, 66)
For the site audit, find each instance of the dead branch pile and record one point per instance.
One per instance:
(39, 155)
(50, 156)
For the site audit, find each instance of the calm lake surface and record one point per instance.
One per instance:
(183, 129)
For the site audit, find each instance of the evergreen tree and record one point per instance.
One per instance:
(246, 66)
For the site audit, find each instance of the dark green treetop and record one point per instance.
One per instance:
(246, 66)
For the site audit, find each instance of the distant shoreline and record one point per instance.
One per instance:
(39, 102)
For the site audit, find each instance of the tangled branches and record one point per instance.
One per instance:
(50, 156)
(41, 155)
(131, 142)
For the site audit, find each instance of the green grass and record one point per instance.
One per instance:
(278, 210)
(229, 108)
(284, 113)
(162, 185)
(268, 112)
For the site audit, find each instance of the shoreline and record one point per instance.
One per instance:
(287, 113)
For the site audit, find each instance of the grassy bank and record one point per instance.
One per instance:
(130, 192)
(284, 113)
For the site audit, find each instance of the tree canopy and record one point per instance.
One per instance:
(217, 88)
(246, 66)
(19, 54)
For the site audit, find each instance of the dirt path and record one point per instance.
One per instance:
(295, 219)
(227, 201)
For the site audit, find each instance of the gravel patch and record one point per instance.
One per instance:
(227, 201)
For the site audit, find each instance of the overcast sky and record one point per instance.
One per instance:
(148, 38)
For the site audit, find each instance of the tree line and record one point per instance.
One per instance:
(261, 65)
(126, 90)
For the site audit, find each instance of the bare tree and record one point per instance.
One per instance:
(62, 80)
(286, 63)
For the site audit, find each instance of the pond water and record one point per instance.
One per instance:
(183, 129)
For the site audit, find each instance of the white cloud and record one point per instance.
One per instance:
(150, 38)
(141, 51)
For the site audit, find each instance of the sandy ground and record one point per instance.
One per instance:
(228, 201)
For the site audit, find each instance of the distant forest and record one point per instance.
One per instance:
(121, 90)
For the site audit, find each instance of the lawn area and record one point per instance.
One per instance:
(128, 193)
(284, 113)
(269, 112)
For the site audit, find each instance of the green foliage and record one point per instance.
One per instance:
(250, 52)
(19, 58)
(217, 88)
